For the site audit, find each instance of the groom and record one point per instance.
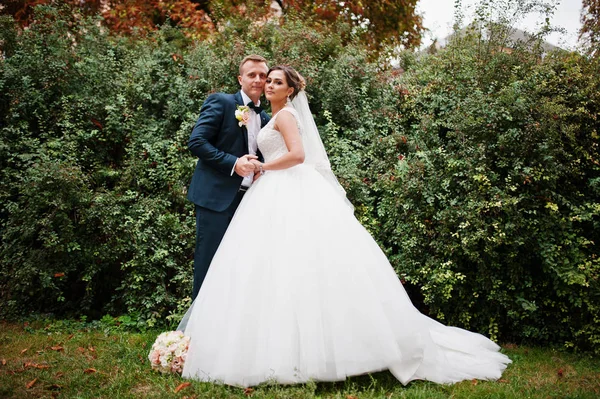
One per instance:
(224, 150)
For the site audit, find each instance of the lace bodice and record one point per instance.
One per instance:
(270, 141)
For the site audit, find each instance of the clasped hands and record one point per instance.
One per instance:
(248, 164)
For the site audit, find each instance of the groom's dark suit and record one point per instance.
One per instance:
(218, 141)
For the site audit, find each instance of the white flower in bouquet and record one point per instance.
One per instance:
(169, 352)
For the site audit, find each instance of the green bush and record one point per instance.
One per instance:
(475, 169)
(95, 162)
(492, 209)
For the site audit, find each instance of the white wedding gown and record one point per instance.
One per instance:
(299, 290)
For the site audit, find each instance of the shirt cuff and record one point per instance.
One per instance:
(233, 169)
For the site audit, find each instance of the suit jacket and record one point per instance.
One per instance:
(218, 140)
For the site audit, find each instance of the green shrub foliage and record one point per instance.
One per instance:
(492, 207)
(476, 169)
(94, 167)
(94, 157)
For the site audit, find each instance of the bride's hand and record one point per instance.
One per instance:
(257, 169)
(256, 163)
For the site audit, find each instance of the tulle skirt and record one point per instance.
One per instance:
(298, 290)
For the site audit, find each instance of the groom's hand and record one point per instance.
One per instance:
(243, 166)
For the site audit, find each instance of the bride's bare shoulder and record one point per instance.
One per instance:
(286, 120)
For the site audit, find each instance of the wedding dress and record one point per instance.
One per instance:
(299, 290)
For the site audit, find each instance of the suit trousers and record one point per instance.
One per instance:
(210, 229)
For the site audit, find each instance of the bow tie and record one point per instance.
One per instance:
(256, 108)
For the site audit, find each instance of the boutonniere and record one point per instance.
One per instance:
(242, 114)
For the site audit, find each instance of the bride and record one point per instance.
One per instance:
(298, 290)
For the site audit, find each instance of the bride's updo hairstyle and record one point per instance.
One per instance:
(292, 77)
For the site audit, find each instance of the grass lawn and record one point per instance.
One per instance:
(73, 361)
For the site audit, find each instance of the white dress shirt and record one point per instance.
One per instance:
(253, 127)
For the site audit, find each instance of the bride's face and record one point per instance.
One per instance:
(276, 88)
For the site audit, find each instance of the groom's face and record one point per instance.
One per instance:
(252, 79)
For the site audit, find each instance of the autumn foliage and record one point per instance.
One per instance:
(378, 23)
(590, 29)
(127, 16)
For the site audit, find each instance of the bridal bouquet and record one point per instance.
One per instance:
(169, 352)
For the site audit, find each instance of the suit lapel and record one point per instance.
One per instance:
(263, 119)
(239, 101)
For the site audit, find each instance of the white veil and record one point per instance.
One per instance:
(314, 150)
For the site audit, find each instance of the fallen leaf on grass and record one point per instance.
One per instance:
(248, 391)
(35, 366)
(57, 348)
(474, 381)
(89, 371)
(70, 337)
(351, 397)
(59, 374)
(182, 386)
(4, 362)
(24, 350)
(560, 372)
(91, 349)
(503, 381)
(31, 383)
(81, 350)
(57, 275)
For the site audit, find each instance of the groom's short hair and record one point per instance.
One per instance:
(253, 57)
